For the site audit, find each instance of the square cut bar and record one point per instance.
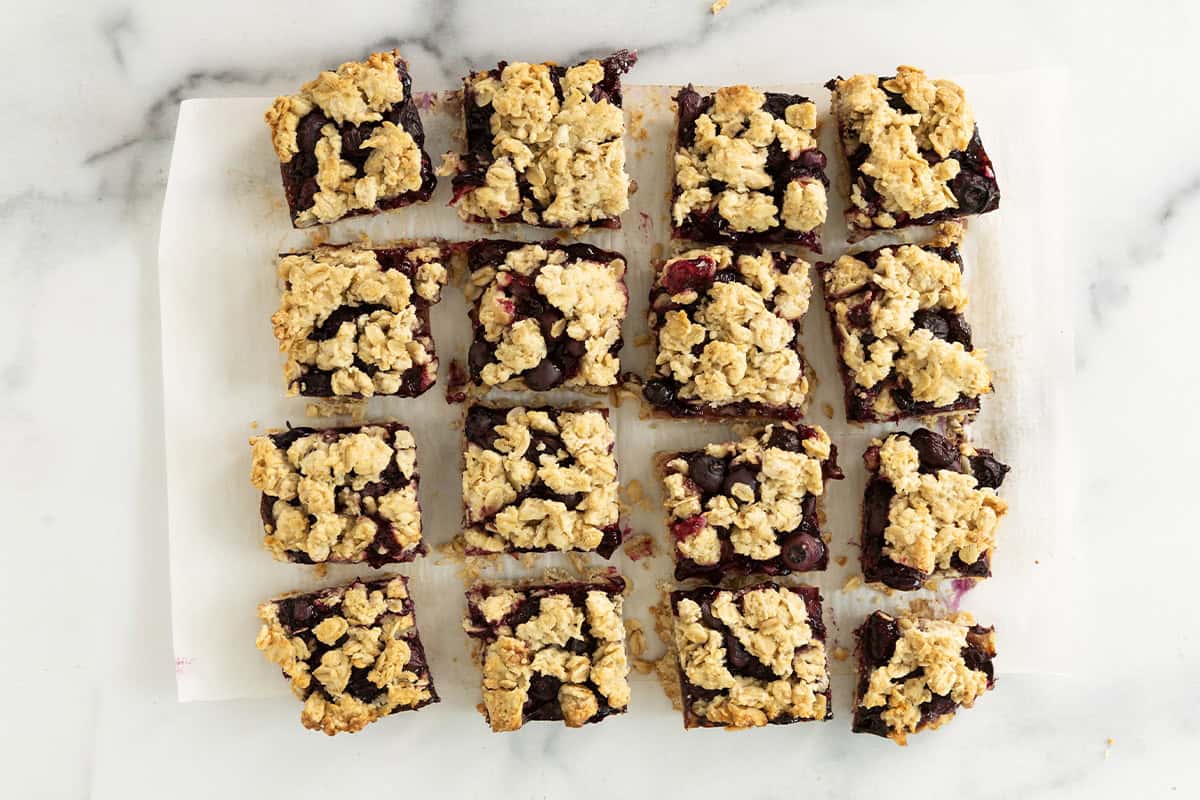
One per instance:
(930, 509)
(727, 328)
(751, 657)
(352, 652)
(339, 495)
(353, 320)
(915, 672)
(552, 651)
(747, 168)
(545, 315)
(913, 152)
(903, 343)
(545, 145)
(750, 506)
(539, 480)
(350, 142)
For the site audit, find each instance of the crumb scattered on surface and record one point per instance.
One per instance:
(579, 562)
(1108, 743)
(644, 667)
(840, 653)
(667, 667)
(932, 584)
(320, 570)
(639, 547)
(852, 583)
(338, 407)
(636, 494)
(253, 424)
(643, 340)
(454, 552)
(827, 410)
(637, 638)
(637, 125)
(719, 6)
(841, 561)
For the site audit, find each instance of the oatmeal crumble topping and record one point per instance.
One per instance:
(897, 314)
(936, 665)
(545, 315)
(546, 480)
(935, 518)
(728, 327)
(358, 94)
(352, 652)
(354, 320)
(552, 150)
(721, 637)
(724, 164)
(553, 651)
(341, 494)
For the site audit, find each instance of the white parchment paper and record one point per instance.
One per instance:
(224, 220)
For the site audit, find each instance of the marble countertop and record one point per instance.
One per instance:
(91, 97)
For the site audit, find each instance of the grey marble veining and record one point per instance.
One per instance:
(90, 101)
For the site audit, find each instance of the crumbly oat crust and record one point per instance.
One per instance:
(550, 651)
(342, 495)
(931, 508)
(914, 151)
(728, 326)
(539, 479)
(751, 657)
(353, 320)
(914, 672)
(545, 144)
(903, 344)
(747, 168)
(545, 315)
(352, 652)
(750, 506)
(350, 142)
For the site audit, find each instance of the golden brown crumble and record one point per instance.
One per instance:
(357, 92)
(493, 479)
(539, 647)
(906, 183)
(314, 485)
(928, 660)
(738, 342)
(904, 280)
(369, 626)
(755, 523)
(730, 146)
(771, 623)
(391, 335)
(570, 150)
(589, 294)
(935, 517)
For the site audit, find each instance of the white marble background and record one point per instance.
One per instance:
(90, 94)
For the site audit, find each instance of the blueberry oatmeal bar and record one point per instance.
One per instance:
(353, 320)
(747, 168)
(545, 145)
(751, 657)
(727, 323)
(913, 152)
(351, 142)
(750, 506)
(553, 651)
(545, 315)
(930, 508)
(538, 480)
(904, 346)
(915, 672)
(352, 652)
(339, 495)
